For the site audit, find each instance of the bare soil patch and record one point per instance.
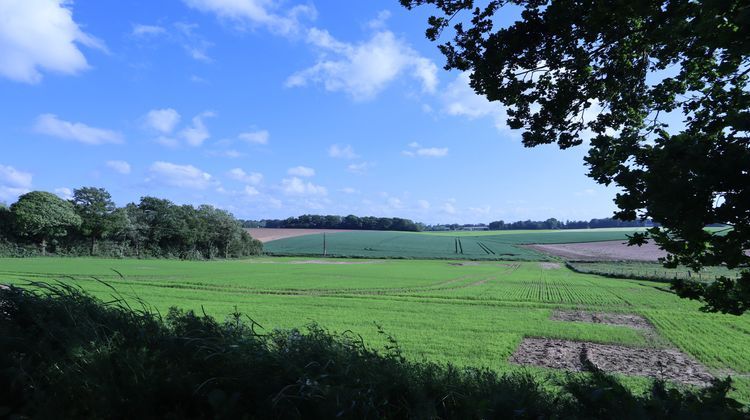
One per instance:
(549, 266)
(624, 320)
(269, 234)
(602, 251)
(667, 364)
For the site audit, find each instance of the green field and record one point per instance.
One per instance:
(652, 271)
(493, 245)
(470, 313)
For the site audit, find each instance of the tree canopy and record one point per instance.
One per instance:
(616, 73)
(41, 215)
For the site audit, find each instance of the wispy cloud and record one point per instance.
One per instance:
(51, 125)
(303, 171)
(119, 166)
(181, 176)
(342, 152)
(415, 149)
(296, 186)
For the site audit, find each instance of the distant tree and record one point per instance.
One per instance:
(41, 216)
(566, 69)
(96, 208)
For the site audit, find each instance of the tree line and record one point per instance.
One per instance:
(91, 224)
(313, 221)
(569, 224)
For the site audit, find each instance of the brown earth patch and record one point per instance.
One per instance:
(666, 364)
(270, 234)
(624, 320)
(602, 251)
(465, 264)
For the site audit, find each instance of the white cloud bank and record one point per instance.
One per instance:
(51, 125)
(41, 35)
(365, 69)
(459, 99)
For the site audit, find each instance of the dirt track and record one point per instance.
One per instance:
(602, 251)
(268, 234)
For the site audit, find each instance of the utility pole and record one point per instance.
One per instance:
(325, 250)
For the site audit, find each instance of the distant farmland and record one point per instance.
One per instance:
(454, 245)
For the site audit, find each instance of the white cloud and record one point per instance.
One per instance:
(13, 183)
(423, 204)
(394, 203)
(380, 21)
(50, 125)
(448, 207)
(162, 120)
(12, 177)
(140, 30)
(181, 176)
(255, 137)
(358, 168)
(257, 13)
(482, 211)
(251, 191)
(363, 70)
(344, 152)
(417, 150)
(349, 190)
(41, 35)
(459, 99)
(301, 171)
(193, 43)
(119, 166)
(197, 133)
(238, 174)
(64, 193)
(296, 186)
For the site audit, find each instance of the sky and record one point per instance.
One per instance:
(268, 109)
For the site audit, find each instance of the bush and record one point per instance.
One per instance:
(65, 354)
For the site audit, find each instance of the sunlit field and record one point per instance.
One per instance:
(462, 312)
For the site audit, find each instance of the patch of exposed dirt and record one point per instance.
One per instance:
(270, 234)
(667, 364)
(549, 266)
(602, 251)
(465, 264)
(332, 262)
(625, 320)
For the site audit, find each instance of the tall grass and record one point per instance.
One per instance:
(66, 354)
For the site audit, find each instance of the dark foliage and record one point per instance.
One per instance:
(152, 228)
(64, 354)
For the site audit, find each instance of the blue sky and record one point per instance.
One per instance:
(268, 109)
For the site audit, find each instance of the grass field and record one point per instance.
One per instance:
(653, 271)
(470, 313)
(495, 245)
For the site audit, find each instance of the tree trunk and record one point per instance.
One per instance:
(93, 245)
(44, 247)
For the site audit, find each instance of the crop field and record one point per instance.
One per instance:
(652, 271)
(503, 245)
(457, 311)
